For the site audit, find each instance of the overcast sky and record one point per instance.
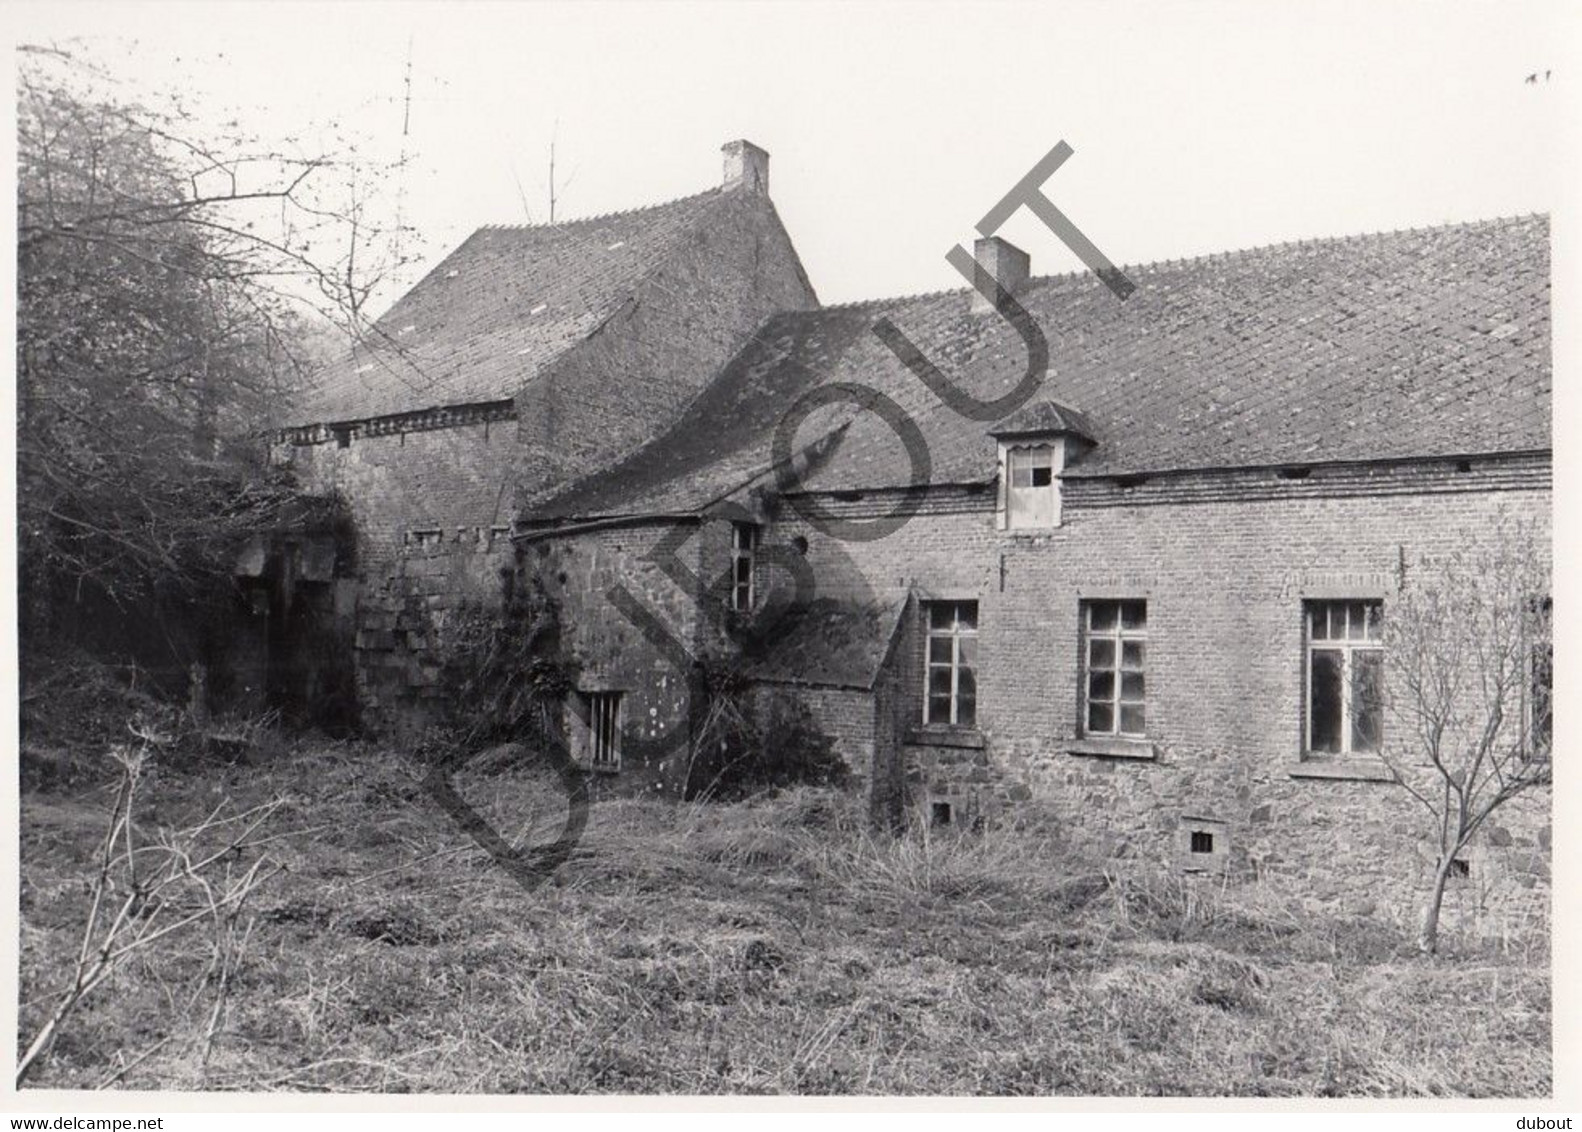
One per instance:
(1196, 127)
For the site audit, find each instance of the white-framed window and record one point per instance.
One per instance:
(1114, 687)
(950, 676)
(604, 730)
(1030, 499)
(1344, 706)
(744, 549)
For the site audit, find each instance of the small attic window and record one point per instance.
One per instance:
(343, 437)
(1030, 495)
(1297, 473)
(1463, 466)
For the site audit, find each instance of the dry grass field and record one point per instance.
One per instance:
(769, 946)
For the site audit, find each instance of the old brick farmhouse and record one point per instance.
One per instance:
(1137, 596)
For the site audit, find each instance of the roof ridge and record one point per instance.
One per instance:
(717, 190)
(1310, 243)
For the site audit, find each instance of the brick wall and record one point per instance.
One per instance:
(1225, 580)
(468, 478)
(440, 479)
(681, 327)
(648, 655)
(846, 716)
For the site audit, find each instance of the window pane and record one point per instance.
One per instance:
(1319, 630)
(744, 569)
(1101, 654)
(1356, 620)
(1021, 474)
(966, 711)
(940, 615)
(1367, 707)
(1134, 614)
(966, 683)
(1132, 686)
(966, 614)
(967, 650)
(1131, 654)
(940, 650)
(1102, 615)
(1101, 685)
(1375, 619)
(1325, 700)
(939, 709)
(1101, 717)
(1043, 477)
(1132, 719)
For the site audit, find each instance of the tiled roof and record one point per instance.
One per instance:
(839, 644)
(1429, 342)
(498, 309)
(1043, 416)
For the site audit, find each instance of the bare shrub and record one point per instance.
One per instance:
(145, 893)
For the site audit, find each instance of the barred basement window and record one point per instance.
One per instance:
(1202, 841)
(744, 548)
(604, 730)
(1114, 688)
(1345, 676)
(950, 681)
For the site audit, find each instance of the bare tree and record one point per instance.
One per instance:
(174, 280)
(1465, 688)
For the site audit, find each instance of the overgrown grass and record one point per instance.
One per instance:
(768, 946)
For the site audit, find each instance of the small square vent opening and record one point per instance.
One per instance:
(1203, 845)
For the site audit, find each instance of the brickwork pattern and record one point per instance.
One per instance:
(1225, 582)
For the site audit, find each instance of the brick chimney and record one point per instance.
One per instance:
(746, 166)
(998, 260)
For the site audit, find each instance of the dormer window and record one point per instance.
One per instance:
(1037, 442)
(1030, 498)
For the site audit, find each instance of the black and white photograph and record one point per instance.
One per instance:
(788, 550)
